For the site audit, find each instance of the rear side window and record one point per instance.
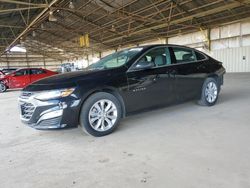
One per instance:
(37, 71)
(184, 55)
(199, 56)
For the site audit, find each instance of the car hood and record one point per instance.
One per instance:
(66, 80)
(65, 77)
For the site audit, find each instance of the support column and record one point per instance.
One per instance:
(209, 39)
(44, 63)
(88, 59)
(166, 41)
(27, 60)
(7, 60)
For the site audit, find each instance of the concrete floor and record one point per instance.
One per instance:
(183, 146)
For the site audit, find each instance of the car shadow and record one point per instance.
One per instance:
(233, 95)
(165, 113)
(12, 90)
(177, 110)
(147, 116)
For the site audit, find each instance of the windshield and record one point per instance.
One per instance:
(116, 59)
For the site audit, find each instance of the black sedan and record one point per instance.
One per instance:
(122, 83)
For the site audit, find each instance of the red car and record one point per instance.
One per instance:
(23, 77)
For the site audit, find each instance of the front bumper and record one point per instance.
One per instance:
(51, 114)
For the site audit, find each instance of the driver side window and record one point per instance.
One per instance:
(158, 57)
(21, 72)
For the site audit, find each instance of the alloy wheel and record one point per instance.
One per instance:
(211, 92)
(2, 87)
(103, 115)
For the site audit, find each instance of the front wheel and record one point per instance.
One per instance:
(3, 87)
(100, 114)
(209, 93)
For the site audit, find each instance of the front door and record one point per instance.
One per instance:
(150, 87)
(20, 79)
(37, 74)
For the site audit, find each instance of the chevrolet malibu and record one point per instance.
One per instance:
(120, 84)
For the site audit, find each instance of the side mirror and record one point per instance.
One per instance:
(144, 65)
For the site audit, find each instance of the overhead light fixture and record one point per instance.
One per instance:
(71, 5)
(113, 28)
(33, 34)
(18, 48)
(42, 26)
(52, 18)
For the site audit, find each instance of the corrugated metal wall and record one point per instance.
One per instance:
(234, 59)
(229, 43)
(22, 60)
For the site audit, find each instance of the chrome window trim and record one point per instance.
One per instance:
(132, 70)
(194, 50)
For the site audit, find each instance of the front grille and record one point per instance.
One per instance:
(27, 110)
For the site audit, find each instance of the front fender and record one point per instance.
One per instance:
(102, 88)
(4, 81)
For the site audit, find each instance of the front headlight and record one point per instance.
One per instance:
(54, 94)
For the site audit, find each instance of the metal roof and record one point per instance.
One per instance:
(109, 23)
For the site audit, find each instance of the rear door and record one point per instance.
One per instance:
(151, 87)
(20, 79)
(189, 78)
(37, 74)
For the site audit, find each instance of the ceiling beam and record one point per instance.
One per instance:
(22, 3)
(31, 24)
(181, 20)
(185, 29)
(19, 9)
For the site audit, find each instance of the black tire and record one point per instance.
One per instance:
(3, 87)
(203, 99)
(86, 107)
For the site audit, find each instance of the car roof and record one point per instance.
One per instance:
(166, 45)
(160, 45)
(28, 68)
(146, 47)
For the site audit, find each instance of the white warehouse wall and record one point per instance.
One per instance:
(231, 45)
(228, 43)
(234, 59)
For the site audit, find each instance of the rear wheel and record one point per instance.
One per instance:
(100, 114)
(209, 93)
(3, 87)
